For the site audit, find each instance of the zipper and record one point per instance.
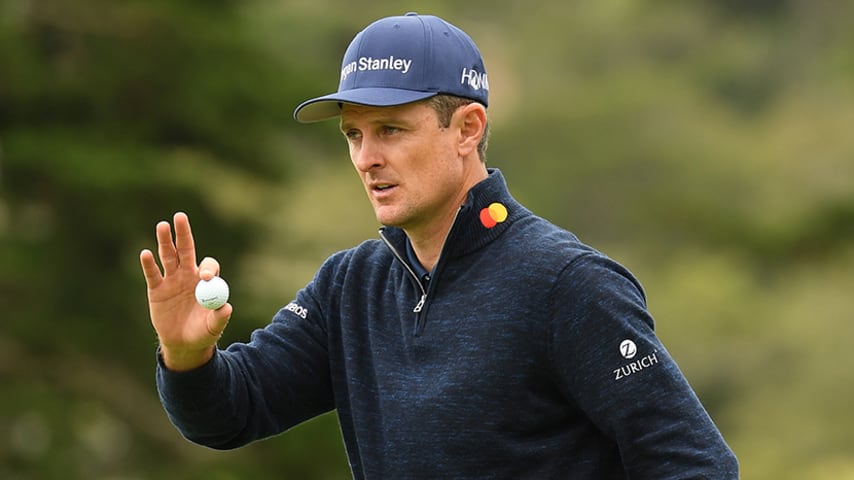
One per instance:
(423, 300)
(420, 305)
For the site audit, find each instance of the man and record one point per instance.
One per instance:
(473, 340)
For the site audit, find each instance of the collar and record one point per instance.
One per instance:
(414, 262)
(488, 211)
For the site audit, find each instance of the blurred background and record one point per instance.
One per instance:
(704, 144)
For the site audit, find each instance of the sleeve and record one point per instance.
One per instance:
(257, 389)
(611, 363)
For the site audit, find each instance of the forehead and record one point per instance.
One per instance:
(352, 114)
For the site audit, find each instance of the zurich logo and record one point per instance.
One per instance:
(628, 349)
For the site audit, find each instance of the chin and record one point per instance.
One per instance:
(389, 222)
(389, 219)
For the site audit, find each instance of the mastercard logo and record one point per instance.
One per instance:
(493, 215)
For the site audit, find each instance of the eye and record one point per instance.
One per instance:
(352, 134)
(389, 130)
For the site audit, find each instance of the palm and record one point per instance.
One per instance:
(176, 316)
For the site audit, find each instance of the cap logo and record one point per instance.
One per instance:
(493, 215)
(474, 79)
(366, 64)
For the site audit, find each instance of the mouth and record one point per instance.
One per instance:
(382, 187)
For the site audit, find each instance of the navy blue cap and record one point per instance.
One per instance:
(403, 59)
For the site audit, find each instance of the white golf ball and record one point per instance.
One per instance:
(212, 293)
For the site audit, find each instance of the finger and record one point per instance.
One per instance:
(166, 249)
(218, 320)
(150, 270)
(184, 244)
(208, 268)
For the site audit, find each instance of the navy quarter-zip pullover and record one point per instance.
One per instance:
(527, 354)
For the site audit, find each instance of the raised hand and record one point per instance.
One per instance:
(187, 331)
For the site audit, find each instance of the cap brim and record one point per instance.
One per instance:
(328, 106)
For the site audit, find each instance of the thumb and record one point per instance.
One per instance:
(218, 320)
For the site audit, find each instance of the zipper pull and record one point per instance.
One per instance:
(420, 305)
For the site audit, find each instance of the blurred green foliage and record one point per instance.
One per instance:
(704, 144)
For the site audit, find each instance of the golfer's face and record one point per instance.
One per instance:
(407, 162)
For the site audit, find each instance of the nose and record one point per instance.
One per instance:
(367, 155)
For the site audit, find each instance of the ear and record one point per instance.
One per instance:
(471, 119)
